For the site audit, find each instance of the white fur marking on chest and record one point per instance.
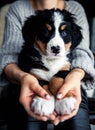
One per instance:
(53, 64)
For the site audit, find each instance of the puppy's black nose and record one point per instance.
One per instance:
(55, 49)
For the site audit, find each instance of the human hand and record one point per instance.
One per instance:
(71, 84)
(29, 88)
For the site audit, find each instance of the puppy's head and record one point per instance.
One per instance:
(52, 32)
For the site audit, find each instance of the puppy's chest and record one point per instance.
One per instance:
(52, 64)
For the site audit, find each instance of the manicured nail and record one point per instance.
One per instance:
(57, 123)
(59, 96)
(44, 119)
(52, 117)
(47, 96)
(62, 120)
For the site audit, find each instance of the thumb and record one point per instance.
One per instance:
(40, 92)
(63, 91)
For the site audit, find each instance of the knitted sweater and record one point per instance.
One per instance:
(18, 12)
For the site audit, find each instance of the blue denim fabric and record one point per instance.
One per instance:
(78, 122)
(17, 118)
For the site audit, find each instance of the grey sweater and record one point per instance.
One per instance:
(18, 12)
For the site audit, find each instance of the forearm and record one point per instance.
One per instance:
(76, 74)
(14, 73)
(80, 73)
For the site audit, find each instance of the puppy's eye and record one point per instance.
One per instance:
(64, 33)
(48, 27)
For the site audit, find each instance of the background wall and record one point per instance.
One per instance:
(3, 12)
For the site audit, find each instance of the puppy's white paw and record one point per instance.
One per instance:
(65, 106)
(42, 106)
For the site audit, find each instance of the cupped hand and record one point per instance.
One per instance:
(29, 88)
(71, 84)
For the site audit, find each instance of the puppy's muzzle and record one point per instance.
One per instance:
(55, 49)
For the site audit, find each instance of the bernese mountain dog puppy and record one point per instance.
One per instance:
(50, 37)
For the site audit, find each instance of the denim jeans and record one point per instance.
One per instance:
(78, 122)
(17, 118)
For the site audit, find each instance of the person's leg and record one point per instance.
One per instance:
(33, 124)
(16, 117)
(14, 112)
(80, 121)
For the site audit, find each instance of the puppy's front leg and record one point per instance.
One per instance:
(66, 105)
(42, 106)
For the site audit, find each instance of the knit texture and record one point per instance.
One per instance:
(18, 12)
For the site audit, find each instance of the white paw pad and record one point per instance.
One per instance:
(42, 106)
(65, 106)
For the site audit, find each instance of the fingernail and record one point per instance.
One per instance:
(47, 96)
(45, 119)
(59, 96)
(62, 120)
(52, 118)
(57, 123)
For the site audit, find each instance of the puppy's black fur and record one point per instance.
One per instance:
(34, 27)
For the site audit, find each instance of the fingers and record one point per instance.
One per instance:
(56, 121)
(38, 90)
(63, 118)
(71, 82)
(63, 91)
(66, 117)
(30, 83)
(26, 102)
(38, 117)
(52, 116)
(30, 87)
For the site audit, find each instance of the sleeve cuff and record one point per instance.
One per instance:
(89, 80)
(7, 59)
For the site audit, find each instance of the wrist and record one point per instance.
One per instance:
(79, 72)
(28, 77)
(21, 75)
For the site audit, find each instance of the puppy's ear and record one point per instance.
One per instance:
(76, 35)
(29, 29)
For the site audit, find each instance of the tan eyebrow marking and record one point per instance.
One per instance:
(41, 46)
(63, 27)
(48, 27)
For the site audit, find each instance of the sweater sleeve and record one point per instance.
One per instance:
(82, 56)
(13, 40)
